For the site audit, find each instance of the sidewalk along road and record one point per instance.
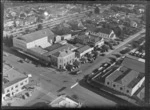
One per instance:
(89, 98)
(96, 64)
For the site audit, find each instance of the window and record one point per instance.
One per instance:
(114, 85)
(120, 88)
(11, 88)
(26, 81)
(8, 90)
(17, 90)
(107, 83)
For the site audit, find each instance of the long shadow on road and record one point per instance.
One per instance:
(107, 95)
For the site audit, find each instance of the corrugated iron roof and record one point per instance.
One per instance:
(134, 64)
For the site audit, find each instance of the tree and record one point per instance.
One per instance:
(39, 27)
(76, 63)
(97, 11)
(135, 44)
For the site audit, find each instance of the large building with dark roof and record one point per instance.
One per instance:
(128, 78)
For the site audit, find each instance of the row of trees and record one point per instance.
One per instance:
(8, 40)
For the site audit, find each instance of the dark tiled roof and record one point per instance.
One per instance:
(124, 73)
(84, 48)
(37, 35)
(114, 75)
(63, 47)
(53, 47)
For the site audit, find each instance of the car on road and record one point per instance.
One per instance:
(76, 72)
(117, 55)
(125, 50)
(21, 61)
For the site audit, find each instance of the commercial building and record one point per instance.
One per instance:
(61, 56)
(65, 102)
(128, 78)
(13, 82)
(102, 32)
(83, 50)
(42, 38)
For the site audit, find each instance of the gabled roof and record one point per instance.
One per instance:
(12, 76)
(134, 64)
(63, 47)
(37, 35)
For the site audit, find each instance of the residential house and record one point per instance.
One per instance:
(66, 37)
(103, 32)
(90, 40)
(13, 82)
(58, 38)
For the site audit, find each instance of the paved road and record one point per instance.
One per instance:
(90, 67)
(52, 82)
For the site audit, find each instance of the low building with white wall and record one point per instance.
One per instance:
(83, 50)
(13, 82)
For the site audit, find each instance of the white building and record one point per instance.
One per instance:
(66, 37)
(42, 38)
(103, 32)
(128, 78)
(83, 50)
(65, 102)
(13, 82)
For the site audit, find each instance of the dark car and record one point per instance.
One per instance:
(95, 70)
(76, 72)
(21, 61)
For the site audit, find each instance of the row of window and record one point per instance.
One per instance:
(120, 87)
(16, 86)
(68, 59)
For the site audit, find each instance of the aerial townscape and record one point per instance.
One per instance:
(73, 55)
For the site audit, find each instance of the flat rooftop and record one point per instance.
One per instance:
(12, 76)
(53, 47)
(38, 50)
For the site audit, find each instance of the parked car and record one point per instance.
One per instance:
(76, 72)
(125, 50)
